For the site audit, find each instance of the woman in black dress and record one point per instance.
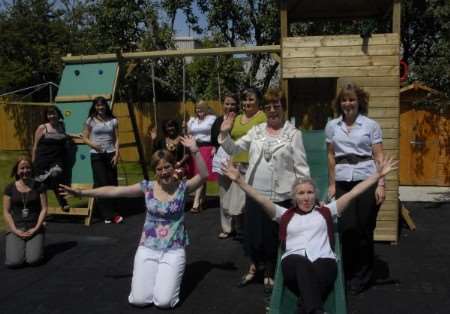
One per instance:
(172, 143)
(49, 153)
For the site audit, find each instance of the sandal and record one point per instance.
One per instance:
(268, 285)
(195, 210)
(246, 279)
(224, 235)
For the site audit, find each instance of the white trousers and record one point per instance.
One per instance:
(157, 277)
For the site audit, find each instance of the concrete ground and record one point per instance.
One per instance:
(89, 269)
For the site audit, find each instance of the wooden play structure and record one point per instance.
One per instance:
(80, 84)
(314, 68)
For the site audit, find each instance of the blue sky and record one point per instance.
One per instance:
(181, 26)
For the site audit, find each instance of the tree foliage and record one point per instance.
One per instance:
(236, 22)
(35, 34)
(426, 41)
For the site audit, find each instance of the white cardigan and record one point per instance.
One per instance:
(288, 159)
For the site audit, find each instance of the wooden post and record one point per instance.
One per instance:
(397, 16)
(137, 138)
(284, 31)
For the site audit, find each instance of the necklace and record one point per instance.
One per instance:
(24, 196)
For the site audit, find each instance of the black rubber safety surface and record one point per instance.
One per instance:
(89, 269)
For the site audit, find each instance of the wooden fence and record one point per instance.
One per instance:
(18, 123)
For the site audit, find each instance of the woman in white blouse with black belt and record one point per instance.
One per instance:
(308, 264)
(354, 147)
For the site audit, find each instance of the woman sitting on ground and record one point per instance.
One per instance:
(160, 258)
(306, 230)
(24, 210)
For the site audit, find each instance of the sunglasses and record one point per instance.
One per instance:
(276, 106)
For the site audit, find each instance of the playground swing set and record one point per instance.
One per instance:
(372, 62)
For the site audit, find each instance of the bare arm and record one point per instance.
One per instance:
(386, 166)
(199, 179)
(331, 171)
(8, 217)
(104, 191)
(42, 215)
(378, 156)
(37, 136)
(87, 140)
(233, 174)
(115, 159)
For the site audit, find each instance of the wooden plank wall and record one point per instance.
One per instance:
(372, 64)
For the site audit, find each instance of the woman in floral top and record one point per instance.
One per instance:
(160, 258)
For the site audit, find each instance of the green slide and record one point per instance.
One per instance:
(284, 301)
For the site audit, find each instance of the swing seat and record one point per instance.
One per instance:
(283, 300)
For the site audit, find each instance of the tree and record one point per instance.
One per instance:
(234, 22)
(426, 41)
(33, 39)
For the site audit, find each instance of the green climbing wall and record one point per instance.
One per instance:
(83, 80)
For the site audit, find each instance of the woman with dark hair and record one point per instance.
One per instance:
(172, 142)
(354, 149)
(160, 259)
(306, 232)
(50, 153)
(226, 195)
(24, 210)
(276, 159)
(101, 133)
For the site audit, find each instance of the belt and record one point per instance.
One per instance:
(351, 159)
(200, 144)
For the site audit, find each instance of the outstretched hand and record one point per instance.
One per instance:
(152, 133)
(387, 165)
(227, 123)
(189, 142)
(229, 170)
(65, 190)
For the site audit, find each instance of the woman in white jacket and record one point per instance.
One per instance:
(276, 159)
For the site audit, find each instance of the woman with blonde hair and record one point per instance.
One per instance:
(160, 258)
(276, 159)
(355, 147)
(199, 126)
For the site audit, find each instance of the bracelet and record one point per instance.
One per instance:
(381, 184)
(195, 152)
